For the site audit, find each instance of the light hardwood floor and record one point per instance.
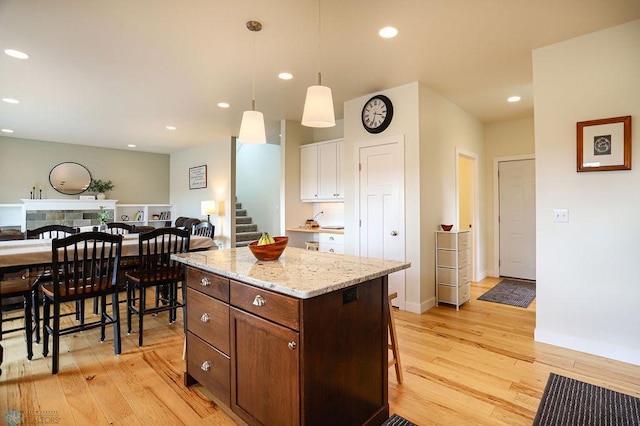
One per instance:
(475, 366)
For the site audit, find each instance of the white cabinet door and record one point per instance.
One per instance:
(327, 171)
(309, 173)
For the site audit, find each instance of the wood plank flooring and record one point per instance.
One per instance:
(478, 365)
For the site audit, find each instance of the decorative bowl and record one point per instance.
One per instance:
(269, 251)
(446, 227)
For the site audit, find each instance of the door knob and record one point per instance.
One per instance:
(394, 233)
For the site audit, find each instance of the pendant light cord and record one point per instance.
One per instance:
(253, 75)
(319, 43)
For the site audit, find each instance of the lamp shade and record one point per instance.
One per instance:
(318, 107)
(208, 207)
(252, 128)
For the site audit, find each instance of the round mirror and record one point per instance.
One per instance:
(70, 178)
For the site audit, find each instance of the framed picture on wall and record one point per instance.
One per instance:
(198, 177)
(604, 144)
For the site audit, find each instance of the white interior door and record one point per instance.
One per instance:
(517, 214)
(382, 208)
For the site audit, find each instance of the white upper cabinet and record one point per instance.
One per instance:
(321, 170)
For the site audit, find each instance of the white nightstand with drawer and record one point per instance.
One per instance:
(332, 243)
(453, 275)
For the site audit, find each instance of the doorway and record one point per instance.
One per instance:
(516, 218)
(381, 206)
(466, 189)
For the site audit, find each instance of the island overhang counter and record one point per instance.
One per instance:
(298, 340)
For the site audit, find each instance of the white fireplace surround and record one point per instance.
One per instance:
(67, 204)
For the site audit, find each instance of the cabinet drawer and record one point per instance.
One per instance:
(331, 248)
(447, 294)
(266, 304)
(452, 276)
(463, 240)
(211, 284)
(331, 238)
(208, 318)
(448, 258)
(210, 367)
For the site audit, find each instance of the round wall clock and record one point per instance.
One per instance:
(377, 114)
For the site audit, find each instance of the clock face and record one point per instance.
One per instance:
(377, 114)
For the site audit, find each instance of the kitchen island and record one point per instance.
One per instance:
(297, 341)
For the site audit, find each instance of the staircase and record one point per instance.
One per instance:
(246, 232)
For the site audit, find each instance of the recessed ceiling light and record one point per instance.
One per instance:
(171, 127)
(131, 145)
(513, 99)
(285, 76)
(223, 105)
(388, 32)
(10, 101)
(7, 130)
(16, 54)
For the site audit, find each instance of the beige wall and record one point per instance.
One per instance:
(504, 140)
(138, 177)
(219, 157)
(587, 274)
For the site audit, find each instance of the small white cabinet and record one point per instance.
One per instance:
(453, 279)
(321, 171)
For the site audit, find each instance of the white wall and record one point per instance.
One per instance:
(587, 280)
(504, 140)
(138, 177)
(432, 128)
(219, 158)
(258, 184)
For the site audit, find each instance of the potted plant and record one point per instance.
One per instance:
(103, 216)
(100, 186)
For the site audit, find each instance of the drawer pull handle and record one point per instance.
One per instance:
(206, 366)
(259, 301)
(394, 233)
(331, 238)
(292, 345)
(331, 250)
(204, 317)
(205, 282)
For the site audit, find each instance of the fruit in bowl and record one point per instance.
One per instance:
(264, 249)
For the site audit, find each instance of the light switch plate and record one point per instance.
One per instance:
(561, 215)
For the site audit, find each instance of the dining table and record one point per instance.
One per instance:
(25, 253)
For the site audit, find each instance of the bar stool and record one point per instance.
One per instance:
(312, 245)
(394, 341)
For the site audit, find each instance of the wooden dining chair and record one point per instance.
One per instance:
(157, 270)
(83, 266)
(52, 231)
(120, 228)
(203, 229)
(19, 285)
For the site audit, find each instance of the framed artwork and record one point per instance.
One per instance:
(604, 144)
(198, 177)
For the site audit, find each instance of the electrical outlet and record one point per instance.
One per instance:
(561, 215)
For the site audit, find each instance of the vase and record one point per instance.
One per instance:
(103, 227)
(101, 196)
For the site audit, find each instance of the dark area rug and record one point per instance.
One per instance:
(396, 420)
(570, 402)
(511, 292)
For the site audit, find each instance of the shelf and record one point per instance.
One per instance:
(317, 230)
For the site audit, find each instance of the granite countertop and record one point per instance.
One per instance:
(300, 273)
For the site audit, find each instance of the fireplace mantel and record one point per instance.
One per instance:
(67, 204)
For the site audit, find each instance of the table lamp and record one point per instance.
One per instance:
(208, 208)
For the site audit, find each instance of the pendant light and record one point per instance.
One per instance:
(318, 106)
(252, 125)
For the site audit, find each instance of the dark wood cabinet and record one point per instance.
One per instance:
(290, 361)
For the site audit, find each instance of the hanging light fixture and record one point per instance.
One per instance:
(318, 106)
(252, 126)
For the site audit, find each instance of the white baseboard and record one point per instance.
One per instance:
(619, 353)
(419, 308)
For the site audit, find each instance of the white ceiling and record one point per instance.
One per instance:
(110, 73)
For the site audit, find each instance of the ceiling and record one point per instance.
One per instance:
(117, 72)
